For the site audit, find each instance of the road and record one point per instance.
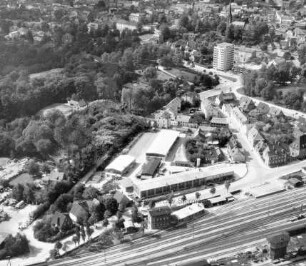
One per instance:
(233, 227)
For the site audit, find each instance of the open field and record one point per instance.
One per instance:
(64, 108)
(22, 179)
(45, 74)
(286, 89)
(182, 73)
(162, 76)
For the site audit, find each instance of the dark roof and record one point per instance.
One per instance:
(59, 219)
(3, 236)
(121, 198)
(160, 211)
(279, 240)
(151, 166)
(80, 209)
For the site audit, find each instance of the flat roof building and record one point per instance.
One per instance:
(223, 58)
(181, 181)
(162, 144)
(121, 165)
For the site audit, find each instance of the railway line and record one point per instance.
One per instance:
(249, 221)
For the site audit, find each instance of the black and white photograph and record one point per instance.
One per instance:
(152, 132)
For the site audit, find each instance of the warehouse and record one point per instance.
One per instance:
(120, 166)
(162, 145)
(181, 181)
(150, 168)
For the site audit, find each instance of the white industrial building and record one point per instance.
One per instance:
(162, 145)
(180, 181)
(223, 56)
(189, 213)
(121, 165)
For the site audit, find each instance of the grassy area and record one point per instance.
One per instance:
(179, 72)
(50, 73)
(163, 76)
(286, 89)
(22, 179)
(64, 108)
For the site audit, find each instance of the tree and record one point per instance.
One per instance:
(53, 253)
(111, 205)
(76, 239)
(227, 184)
(58, 245)
(150, 73)
(213, 190)
(17, 192)
(45, 147)
(105, 222)
(33, 168)
(89, 231)
(197, 195)
(90, 193)
(183, 198)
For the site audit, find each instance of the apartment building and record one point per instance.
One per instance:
(223, 56)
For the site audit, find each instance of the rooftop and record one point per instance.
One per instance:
(182, 177)
(188, 211)
(163, 143)
(120, 163)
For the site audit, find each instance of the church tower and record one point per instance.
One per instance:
(229, 15)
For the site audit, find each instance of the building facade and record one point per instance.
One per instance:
(159, 218)
(223, 58)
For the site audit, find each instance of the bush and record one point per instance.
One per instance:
(41, 209)
(15, 246)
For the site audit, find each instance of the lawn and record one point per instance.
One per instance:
(179, 72)
(163, 76)
(286, 89)
(44, 74)
(22, 179)
(64, 108)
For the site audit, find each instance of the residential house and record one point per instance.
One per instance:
(191, 97)
(260, 146)
(62, 221)
(276, 112)
(243, 54)
(209, 109)
(77, 105)
(159, 218)
(54, 176)
(263, 108)
(124, 24)
(136, 17)
(80, 210)
(174, 106)
(276, 154)
(183, 120)
(163, 118)
(239, 118)
(235, 153)
(246, 104)
(219, 122)
(298, 146)
(254, 136)
(123, 200)
(225, 98)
